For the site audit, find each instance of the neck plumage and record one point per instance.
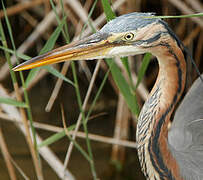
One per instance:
(154, 120)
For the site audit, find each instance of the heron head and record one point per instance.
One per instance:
(125, 35)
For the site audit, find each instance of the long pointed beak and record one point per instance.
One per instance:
(95, 46)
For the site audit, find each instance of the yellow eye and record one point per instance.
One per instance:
(129, 36)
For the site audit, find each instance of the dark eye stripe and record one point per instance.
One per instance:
(150, 40)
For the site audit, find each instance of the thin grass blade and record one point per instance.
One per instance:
(124, 87)
(47, 47)
(19, 55)
(180, 16)
(120, 81)
(52, 40)
(143, 68)
(107, 10)
(54, 138)
(56, 73)
(13, 102)
(126, 65)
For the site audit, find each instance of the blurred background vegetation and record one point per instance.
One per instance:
(53, 103)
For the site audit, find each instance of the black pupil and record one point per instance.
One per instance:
(129, 36)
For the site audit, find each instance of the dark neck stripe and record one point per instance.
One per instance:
(174, 36)
(159, 165)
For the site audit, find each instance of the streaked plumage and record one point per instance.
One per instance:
(167, 150)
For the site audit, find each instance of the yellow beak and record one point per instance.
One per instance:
(95, 46)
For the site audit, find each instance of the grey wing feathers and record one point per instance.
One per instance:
(185, 138)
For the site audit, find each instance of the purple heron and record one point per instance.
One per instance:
(168, 148)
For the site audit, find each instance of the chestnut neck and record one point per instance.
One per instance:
(154, 120)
